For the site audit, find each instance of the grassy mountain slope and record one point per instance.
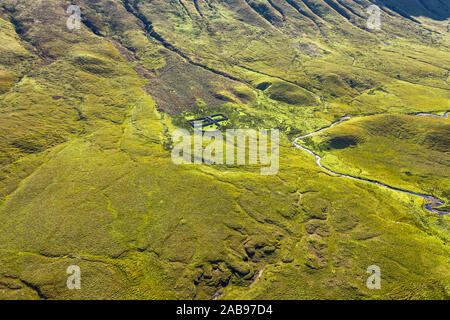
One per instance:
(86, 176)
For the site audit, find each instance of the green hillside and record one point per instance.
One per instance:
(87, 179)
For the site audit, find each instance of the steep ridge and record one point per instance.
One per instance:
(87, 179)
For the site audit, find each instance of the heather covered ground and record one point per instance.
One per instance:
(87, 179)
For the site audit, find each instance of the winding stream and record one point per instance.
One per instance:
(432, 201)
